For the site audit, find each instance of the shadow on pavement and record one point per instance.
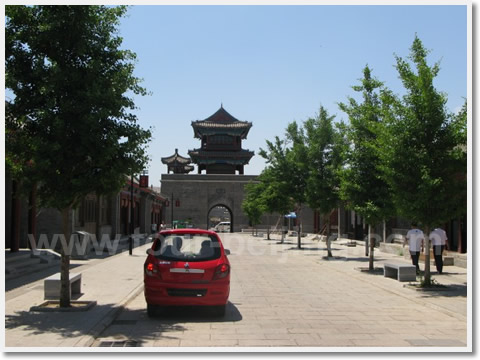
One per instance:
(28, 278)
(312, 249)
(364, 259)
(64, 324)
(138, 327)
(453, 290)
(197, 314)
(374, 271)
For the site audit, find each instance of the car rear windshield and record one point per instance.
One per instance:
(187, 247)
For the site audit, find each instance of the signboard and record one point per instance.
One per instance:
(144, 181)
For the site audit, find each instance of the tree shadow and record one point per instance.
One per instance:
(364, 259)
(65, 324)
(131, 324)
(311, 249)
(374, 271)
(448, 291)
(334, 258)
(28, 278)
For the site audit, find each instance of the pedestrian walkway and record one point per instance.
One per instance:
(110, 282)
(315, 299)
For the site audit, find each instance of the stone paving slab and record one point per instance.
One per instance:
(290, 298)
(110, 282)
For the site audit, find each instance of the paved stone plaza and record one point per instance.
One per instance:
(282, 296)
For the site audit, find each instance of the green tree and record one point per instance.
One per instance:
(73, 82)
(274, 194)
(324, 145)
(287, 161)
(297, 158)
(419, 148)
(362, 185)
(252, 204)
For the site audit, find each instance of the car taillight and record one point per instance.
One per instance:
(151, 269)
(221, 271)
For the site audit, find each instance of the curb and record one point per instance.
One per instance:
(88, 339)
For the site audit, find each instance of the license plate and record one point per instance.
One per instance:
(187, 271)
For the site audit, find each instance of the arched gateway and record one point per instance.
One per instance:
(220, 218)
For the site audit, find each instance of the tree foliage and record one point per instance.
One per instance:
(71, 83)
(286, 160)
(363, 187)
(73, 88)
(421, 146)
(324, 147)
(253, 205)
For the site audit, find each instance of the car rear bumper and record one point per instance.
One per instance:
(172, 294)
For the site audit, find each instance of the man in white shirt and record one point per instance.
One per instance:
(438, 237)
(414, 239)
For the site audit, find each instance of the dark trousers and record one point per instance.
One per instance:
(415, 255)
(437, 253)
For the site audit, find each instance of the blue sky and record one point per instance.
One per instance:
(274, 64)
(271, 65)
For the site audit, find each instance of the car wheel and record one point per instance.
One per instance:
(152, 310)
(219, 310)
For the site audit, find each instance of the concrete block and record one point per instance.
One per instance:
(400, 272)
(448, 261)
(52, 285)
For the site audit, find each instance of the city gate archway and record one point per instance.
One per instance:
(219, 213)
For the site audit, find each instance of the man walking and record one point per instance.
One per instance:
(414, 239)
(438, 237)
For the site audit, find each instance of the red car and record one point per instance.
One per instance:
(187, 267)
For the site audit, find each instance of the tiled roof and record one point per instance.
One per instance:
(176, 158)
(240, 153)
(219, 123)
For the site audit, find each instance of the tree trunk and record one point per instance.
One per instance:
(327, 234)
(427, 279)
(372, 247)
(98, 218)
(65, 261)
(299, 228)
(32, 217)
(16, 217)
(367, 241)
(384, 231)
(459, 236)
(338, 223)
(268, 227)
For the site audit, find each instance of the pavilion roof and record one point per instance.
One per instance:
(221, 123)
(176, 158)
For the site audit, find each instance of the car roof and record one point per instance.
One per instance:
(187, 231)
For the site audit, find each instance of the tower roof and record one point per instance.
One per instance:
(221, 122)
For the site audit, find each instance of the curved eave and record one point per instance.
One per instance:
(171, 160)
(211, 157)
(201, 130)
